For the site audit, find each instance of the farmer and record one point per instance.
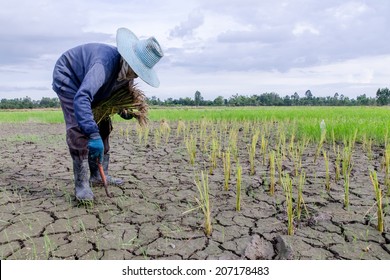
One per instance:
(87, 74)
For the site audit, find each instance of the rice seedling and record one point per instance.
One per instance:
(264, 147)
(214, 154)
(337, 165)
(321, 142)
(300, 200)
(347, 168)
(238, 187)
(226, 168)
(49, 246)
(378, 198)
(297, 158)
(272, 172)
(386, 166)
(252, 152)
(287, 187)
(204, 201)
(181, 128)
(157, 138)
(165, 129)
(233, 136)
(191, 148)
(327, 177)
(333, 142)
(128, 99)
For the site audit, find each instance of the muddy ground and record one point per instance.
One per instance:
(147, 219)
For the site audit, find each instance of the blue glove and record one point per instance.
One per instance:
(96, 147)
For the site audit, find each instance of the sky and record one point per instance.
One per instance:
(217, 47)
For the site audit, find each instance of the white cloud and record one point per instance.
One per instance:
(301, 28)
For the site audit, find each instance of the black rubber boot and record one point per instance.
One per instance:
(95, 175)
(83, 191)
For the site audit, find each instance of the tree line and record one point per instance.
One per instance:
(28, 103)
(266, 99)
(273, 99)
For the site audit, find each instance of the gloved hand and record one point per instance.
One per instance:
(96, 147)
(126, 114)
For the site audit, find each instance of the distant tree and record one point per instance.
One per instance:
(383, 96)
(219, 101)
(198, 98)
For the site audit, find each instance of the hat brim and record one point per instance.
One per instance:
(126, 41)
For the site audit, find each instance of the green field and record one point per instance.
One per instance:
(342, 122)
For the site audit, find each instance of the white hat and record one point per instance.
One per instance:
(141, 55)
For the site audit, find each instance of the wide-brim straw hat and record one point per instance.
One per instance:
(141, 55)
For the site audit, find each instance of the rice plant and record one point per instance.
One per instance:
(181, 128)
(347, 168)
(337, 165)
(272, 172)
(252, 152)
(386, 166)
(300, 200)
(264, 147)
(204, 201)
(378, 198)
(327, 177)
(321, 142)
(226, 168)
(287, 187)
(165, 129)
(238, 187)
(214, 154)
(191, 148)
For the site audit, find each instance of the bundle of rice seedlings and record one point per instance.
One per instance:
(127, 97)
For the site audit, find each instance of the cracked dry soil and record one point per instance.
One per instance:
(39, 218)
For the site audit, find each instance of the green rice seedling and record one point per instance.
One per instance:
(140, 132)
(327, 177)
(252, 152)
(378, 197)
(337, 165)
(272, 172)
(292, 143)
(264, 147)
(347, 168)
(181, 127)
(334, 142)
(49, 246)
(214, 154)
(143, 134)
(238, 187)
(370, 154)
(246, 129)
(157, 138)
(287, 187)
(279, 164)
(191, 148)
(233, 137)
(320, 144)
(297, 158)
(204, 201)
(300, 200)
(386, 166)
(226, 168)
(282, 145)
(165, 129)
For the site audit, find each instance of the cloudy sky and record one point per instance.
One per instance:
(219, 47)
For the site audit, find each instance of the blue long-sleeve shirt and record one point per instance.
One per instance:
(87, 74)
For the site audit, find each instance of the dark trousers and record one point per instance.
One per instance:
(76, 140)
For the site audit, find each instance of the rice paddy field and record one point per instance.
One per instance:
(204, 183)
